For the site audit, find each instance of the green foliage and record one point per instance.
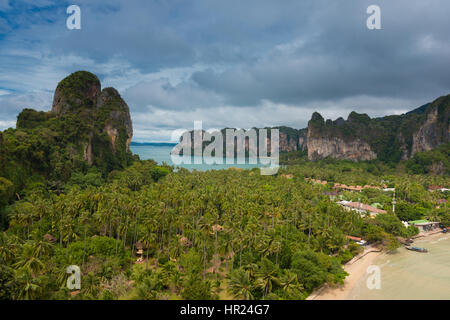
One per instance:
(30, 118)
(6, 191)
(92, 178)
(140, 174)
(195, 288)
(99, 247)
(107, 295)
(279, 238)
(407, 212)
(313, 269)
(390, 223)
(433, 161)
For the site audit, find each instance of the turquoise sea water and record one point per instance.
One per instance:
(412, 275)
(161, 153)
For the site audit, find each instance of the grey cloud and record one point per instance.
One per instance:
(341, 58)
(11, 104)
(162, 94)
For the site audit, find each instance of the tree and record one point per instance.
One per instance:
(267, 275)
(195, 288)
(240, 284)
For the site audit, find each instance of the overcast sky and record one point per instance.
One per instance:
(237, 63)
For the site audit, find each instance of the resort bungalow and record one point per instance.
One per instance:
(324, 182)
(348, 188)
(437, 188)
(358, 240)
(355, 188)
(361, 208)
(424, 225)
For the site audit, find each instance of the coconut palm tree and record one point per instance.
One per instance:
(240, 285)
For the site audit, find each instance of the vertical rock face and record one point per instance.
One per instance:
(435, 130)
(338, 148)
(287, 143)
(111, 103)
(426, 137)
(403, 147)
(323, 142)
(105, 115)
(391, 138)
(303, 139)
(292, 139)
(319, 148)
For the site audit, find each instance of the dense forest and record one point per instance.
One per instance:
(204, 235)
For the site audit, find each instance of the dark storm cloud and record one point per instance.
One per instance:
(341, 58)
(222, 61)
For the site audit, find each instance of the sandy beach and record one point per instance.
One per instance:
(356, 269)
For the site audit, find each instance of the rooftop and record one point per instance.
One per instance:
(361, 206)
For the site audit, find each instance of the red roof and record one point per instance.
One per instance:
(354, 238)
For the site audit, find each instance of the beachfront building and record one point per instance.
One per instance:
(362, 208)
(438, 188)
(424, 225)
(358, 240)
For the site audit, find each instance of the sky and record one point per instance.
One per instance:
(228, 63)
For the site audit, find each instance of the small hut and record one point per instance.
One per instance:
(217, 228)
(185, 242)
(48, 237)
(140, 251)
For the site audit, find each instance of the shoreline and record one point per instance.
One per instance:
(356, 268)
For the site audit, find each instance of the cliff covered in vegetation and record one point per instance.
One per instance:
(87, 127)
(390, 139)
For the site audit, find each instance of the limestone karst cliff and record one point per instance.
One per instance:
(106, 115)
(390, 138)
(435, 129)
(87, 126)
